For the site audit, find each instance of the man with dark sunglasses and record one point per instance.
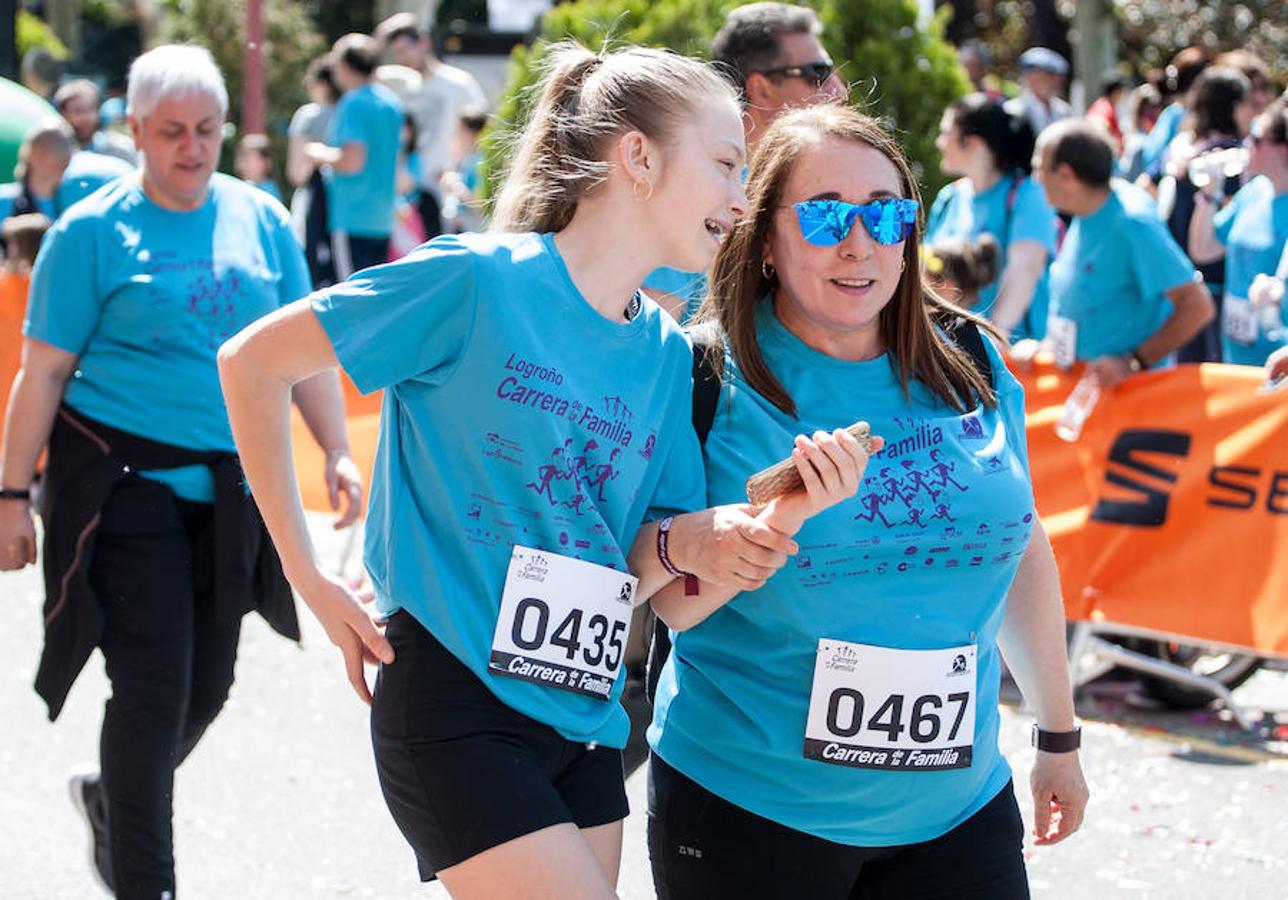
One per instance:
(772, 54)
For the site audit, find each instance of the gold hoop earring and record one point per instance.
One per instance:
(635, 190)
(767, 270)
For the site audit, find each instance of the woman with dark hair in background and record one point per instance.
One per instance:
(1222, 112)
(993, 150)
(310, 123)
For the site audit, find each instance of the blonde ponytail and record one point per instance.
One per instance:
(587, 100)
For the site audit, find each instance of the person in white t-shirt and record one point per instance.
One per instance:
(434, 93)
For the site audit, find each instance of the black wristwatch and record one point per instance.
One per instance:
(15, 493)
(1057, 741)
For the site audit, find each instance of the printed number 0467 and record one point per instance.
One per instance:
(605, 641)
(845, 715)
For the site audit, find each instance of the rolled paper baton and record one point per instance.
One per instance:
(783, 477)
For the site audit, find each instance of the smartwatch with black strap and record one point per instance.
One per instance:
(1057, 741)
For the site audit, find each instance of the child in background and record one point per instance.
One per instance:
(22, 235)
(409, 230)
(462, 210)
(958, 268)
(254, 163)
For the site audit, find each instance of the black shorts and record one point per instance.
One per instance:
(462, 772)
(701, 846)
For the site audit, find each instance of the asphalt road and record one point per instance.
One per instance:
(280, 800)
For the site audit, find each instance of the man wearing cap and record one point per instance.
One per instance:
(1042, 73)
(773, 55)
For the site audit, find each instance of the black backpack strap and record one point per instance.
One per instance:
(706, 381)
(706, 340)
(965, 334)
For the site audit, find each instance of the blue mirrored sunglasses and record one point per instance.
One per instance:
(825, 223)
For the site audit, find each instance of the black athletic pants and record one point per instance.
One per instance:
(170, 661)
(703, 847)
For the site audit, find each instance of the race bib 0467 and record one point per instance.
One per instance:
(886, 708)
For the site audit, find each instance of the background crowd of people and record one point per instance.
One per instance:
(385, 156)
(751, 203)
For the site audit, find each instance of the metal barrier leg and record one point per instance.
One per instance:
(1116, 655)
(1082, 670)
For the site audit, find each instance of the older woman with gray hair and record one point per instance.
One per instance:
(152, 548)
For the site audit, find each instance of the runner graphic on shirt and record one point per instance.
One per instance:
(604, 473)
(940, 470)
(555, 470)
(582, 470)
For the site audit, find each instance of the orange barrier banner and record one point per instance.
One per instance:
(1165, 514)
(363, 418)
(1168, 511)
(13, 308)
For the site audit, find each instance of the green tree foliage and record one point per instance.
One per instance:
(33, 32)
(897, 71)
(290, 42)
(903, 73)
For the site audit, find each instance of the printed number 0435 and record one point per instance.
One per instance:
(605, 639)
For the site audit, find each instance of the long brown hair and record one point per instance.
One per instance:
(586, 100)
(909, 324)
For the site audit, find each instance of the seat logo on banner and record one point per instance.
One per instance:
(1129, 449)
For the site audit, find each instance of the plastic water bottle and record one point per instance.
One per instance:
(1266, 296)
(1077, 409)
(1228, 163)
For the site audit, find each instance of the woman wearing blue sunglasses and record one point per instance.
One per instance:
(834, 733)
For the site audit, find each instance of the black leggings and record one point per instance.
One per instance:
(703, 847)
(170, 661)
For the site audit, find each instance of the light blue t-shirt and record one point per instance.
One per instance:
(88, 171)
(691, 287)
(958, 212)
(921, 558)
(514, 413)
(1160, 136)
(268, 186)
(9, 194)
(1111, 273)
(1254, 228)
(362, 203)
(144, 296)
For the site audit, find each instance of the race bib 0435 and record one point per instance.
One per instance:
(563, 622)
